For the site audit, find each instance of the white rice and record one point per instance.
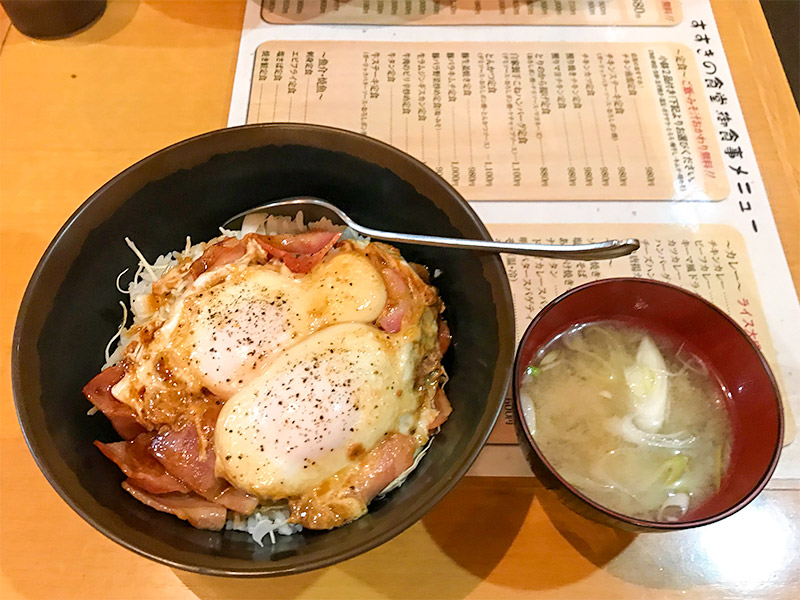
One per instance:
(265, 521)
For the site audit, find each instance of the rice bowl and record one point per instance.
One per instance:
(72, 303)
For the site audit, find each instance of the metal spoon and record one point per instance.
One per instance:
(314, 209)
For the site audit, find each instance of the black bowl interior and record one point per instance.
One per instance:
(70, 311)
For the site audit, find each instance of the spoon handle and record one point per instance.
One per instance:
(595, 251)
(289, 207)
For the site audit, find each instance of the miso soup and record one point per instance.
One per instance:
(632, 422)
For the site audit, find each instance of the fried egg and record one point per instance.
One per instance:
(230, 324)
(317, 408)
(317, 388)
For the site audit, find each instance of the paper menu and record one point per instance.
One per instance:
(514, 121)
(473, 12)
(710, 260)
(744, 206)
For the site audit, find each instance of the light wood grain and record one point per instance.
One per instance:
(771, 115)
(75, 112)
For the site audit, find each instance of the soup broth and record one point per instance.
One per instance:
(633, 423)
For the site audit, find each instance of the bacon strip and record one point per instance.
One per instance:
(347, 499)
(222, 253)
(98, 392)
(200, 513)
(444, 336)
(407, 294)
(442, 404)
(179, 453)
(385, 463)
(300, 252)
(144, 471)
(237, 500)
(308, 242)
(398, 301)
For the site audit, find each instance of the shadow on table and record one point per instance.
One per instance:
(599, 544)
(207, 587)
(477, 523)
(472, 536)
(473, 527)
(559, 548)
(477, 526)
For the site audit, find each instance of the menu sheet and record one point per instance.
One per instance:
(590, 120)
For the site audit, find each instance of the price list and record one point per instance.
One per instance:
(511, 121)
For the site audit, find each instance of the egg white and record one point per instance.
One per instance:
(318, 407)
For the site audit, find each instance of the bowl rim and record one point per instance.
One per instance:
(645, 524)
(265, 568)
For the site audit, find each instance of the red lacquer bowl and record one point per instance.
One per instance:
(751, 394)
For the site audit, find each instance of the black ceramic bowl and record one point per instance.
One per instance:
(70, 311)
(750, 394)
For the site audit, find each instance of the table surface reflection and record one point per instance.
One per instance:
(75, 112)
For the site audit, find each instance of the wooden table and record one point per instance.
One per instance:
(75, 112)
